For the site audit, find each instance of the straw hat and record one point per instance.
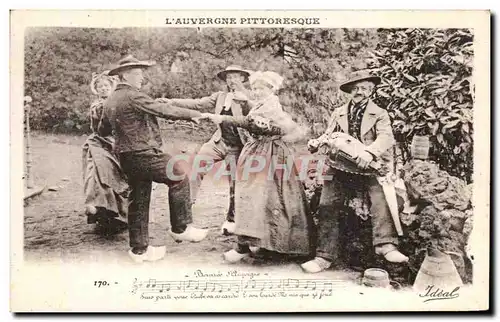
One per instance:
(129, 62)
(231, 69)
(271, 78)
(359, 76)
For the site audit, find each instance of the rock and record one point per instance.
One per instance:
(455, 213)
(455, 243)
(455, 196)
(408, 219)
(445, 215)
(469, 190)
(426, 182)
(65, 179)
(422, 179)
(455, 217)
(457, 224)
(428, 214)
(468, 225)
(53, 188)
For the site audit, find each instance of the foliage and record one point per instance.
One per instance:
(427, 89)
(426, 74)
(59, 63)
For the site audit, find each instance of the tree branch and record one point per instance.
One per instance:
(260, 42)
(209, 53)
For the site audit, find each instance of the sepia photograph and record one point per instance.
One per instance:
(219, 158)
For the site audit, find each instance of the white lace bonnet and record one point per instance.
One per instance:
(271, 78)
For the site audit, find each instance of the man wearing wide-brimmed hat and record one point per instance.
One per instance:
(362, 119)
(227, 142)
(131, 116)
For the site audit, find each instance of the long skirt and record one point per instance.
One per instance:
(271, 205)
(105, 184)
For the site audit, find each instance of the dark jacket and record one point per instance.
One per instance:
(131, 116)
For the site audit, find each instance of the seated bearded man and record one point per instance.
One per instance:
(362, 119)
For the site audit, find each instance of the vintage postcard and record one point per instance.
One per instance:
(250, 161)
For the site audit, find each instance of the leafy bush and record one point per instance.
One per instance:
(427, 89)
(59, 63)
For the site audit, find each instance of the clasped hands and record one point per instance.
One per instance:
(239, 95)
(217, 119)
(203, 116)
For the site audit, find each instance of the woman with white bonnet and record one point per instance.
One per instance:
(105, 185)
(272, 214)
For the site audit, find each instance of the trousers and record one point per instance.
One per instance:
(213, 152)
(332, 200)
(142, 168)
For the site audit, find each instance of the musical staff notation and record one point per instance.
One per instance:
(251, 285)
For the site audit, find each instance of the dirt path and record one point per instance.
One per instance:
(56, 228)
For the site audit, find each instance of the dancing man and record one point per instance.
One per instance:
(228, 140)
(131, 116)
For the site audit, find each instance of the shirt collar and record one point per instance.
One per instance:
(362, 104)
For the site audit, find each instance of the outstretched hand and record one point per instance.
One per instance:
(209, 116)
(163, 100)
(203, 116)
(196, 119)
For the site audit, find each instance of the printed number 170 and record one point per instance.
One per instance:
(100, 283)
